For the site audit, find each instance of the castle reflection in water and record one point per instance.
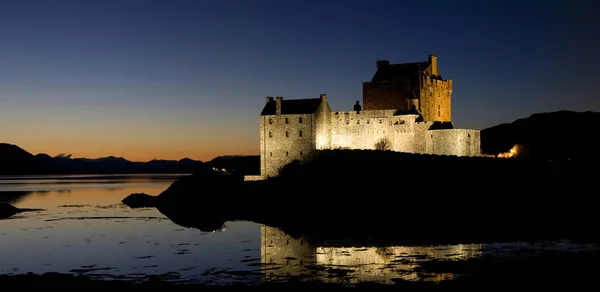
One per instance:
(284, 256)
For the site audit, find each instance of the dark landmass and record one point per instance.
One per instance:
(8, 210)
(16, 161)
(366, 194)
(553, 135)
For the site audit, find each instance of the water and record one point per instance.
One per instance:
(83, 228)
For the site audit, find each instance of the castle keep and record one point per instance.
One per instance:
(407, 108)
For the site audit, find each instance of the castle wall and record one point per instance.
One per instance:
(323, 125)
(283, 139)
(459, 142)
(435, 103)
(383, 95)
(360, 130)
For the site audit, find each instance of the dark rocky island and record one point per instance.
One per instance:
(367, 193)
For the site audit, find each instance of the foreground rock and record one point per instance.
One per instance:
(383, 195)
(8, 210)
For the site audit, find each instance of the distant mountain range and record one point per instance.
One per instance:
(554, 135)
(17, 161)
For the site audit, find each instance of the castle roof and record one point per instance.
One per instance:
(293, 106)
(397, 72)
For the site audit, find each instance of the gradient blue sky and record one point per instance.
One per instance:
(145, 79)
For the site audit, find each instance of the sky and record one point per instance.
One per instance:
(144, 79)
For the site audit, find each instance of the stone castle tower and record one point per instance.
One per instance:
(410, 86)
(407, 105)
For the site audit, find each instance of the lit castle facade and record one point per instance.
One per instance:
(407, 108)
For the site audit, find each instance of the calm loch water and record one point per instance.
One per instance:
(83, 228)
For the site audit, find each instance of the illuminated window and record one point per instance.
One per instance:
(287, 134)
(287, 120)
(300, 120)
(300, 133)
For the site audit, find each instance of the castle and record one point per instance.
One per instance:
(406, 107)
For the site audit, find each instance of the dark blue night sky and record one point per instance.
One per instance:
(173, 79)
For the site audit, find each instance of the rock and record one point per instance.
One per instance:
(8, 210)
(140, 200)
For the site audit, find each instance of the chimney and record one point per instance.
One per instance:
(278, 105)
(433, 65)
(269, 99)
(381, 63)
(323, 97)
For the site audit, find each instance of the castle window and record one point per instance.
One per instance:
(270, 134)
(271, 154)
(358, 122)
(347, 122)
(300, 120)
(287, 153)
(287, 120)
(270, 121)
(380, 121)
(300, 133)
(301, 153)
(287, 134)
(439, 112)
(368, 121)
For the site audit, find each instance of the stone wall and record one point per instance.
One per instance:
(322, 124)
(361, 130)
(459, 142)
(436, 100)
(386, 95)
(285, 138)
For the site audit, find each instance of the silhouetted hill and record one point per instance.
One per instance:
(17, 161)
(553, 135)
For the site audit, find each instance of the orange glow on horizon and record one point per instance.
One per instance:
(141, 153)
